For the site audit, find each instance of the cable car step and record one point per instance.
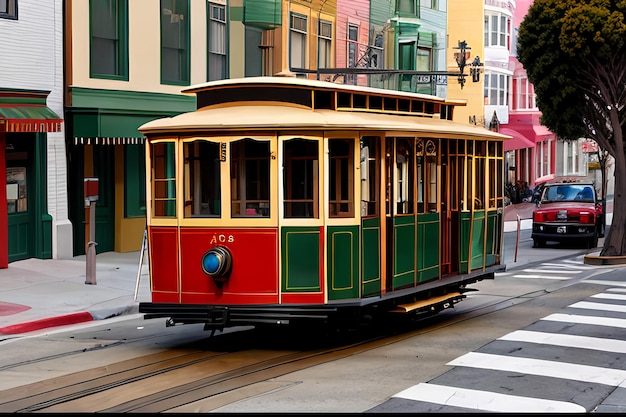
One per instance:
(405, 308)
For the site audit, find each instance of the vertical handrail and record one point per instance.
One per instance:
(143, 250)
(519, 221)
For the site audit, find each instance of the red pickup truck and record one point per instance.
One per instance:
(568, 212)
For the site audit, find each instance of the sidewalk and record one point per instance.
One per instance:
(36, 294)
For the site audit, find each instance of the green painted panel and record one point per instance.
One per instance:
(478, 240)
(343, 262)
(300, 259)
(428, 247)
(163, 103)
(491, 241)
(370, 255)
(464, 243)
(404, 251)
(264, 14)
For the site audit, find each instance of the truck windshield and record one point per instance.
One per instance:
(583, 193)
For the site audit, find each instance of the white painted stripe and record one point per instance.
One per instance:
(567, 340)
(541, 276)
(620, 297)
(502, 274)
(603, 282)
(567, 266)
(595, 320)
(485, 400)
(571, 261)
(552, 369)
(552, 271)
(599, 306)
(616, 289)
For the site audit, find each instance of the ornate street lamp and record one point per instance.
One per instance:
(461, 58)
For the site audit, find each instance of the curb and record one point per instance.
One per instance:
(31, 326)
(67, 319)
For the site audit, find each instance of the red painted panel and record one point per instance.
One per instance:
(164, 259)
(302, 298)
(254, 274)
(164, 297)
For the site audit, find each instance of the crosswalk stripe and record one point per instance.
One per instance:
(541, 276)
(568, 266)
(540, 367)
(555, 339)
(501, 274)
(616, 289)
(484, 400)
(552, 271)
(577, 319)
(599, 306)
(604, 282)
(620, 297)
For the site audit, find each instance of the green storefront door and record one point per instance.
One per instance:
(103, 165)
(20, 196)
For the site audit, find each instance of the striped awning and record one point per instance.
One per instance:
(28, 118)
(108, 141)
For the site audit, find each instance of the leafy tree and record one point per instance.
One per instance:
(574, 52)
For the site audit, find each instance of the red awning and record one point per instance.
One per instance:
(29, 118)
(519, 141)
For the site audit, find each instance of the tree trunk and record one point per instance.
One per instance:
(615, 242)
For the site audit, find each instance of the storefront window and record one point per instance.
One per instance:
(16, 190)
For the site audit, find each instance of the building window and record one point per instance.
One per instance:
(434, 4)
(324, 43)
(407, 7)
(8, 9)
(217, 42)
(497, 30)
(524, 95)
(175, 42)
(353, 39)
(134, 181)
(496, 89)
(573, 158)
(109, 39)
(376, 57)
(297, 44)
(543, 158)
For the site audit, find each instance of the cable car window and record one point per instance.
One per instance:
(164, 180)
(421, 175)
(300, 178)
(341, 179)
(432, 183)
(202, 179)
(370, 174)
(404, 176)
(250, 178)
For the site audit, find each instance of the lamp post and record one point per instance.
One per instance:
(461, 58)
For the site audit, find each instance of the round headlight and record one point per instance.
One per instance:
(217, 262)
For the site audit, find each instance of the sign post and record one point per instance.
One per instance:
(91, 197)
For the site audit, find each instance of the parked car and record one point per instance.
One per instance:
(568, 212)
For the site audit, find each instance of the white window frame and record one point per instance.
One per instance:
(497, 30)
(217, 42)
(324, 43)
(298, 25)
(496, 89)
(543, 151)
